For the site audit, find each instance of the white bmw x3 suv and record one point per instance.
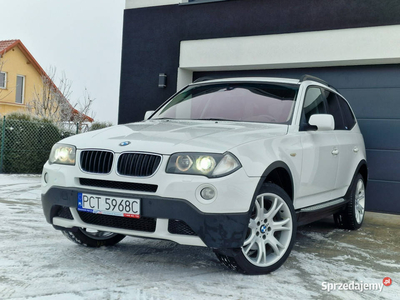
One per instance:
(231, 164)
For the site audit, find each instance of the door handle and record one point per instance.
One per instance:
(335, 151)
(355, 149)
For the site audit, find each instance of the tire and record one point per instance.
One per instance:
(352, 216)
(87, 238)
(270, 235)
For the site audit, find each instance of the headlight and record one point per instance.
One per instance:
(183, 163)
(210, 165)
(63, 154)
(205, 164)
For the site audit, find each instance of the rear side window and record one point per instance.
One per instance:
(348, 117)
(340, 110)
(334, 109)
(322, 101)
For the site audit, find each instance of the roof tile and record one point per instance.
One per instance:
(7, 45)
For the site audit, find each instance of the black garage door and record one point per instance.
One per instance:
(374, 94)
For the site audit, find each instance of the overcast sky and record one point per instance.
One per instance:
(82, 38)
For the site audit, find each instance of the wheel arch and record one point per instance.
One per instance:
(362, 168)
(278, 173)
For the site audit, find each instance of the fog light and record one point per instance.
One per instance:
(46, 177)
(207, 193)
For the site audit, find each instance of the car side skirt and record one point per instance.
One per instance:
(316, 212)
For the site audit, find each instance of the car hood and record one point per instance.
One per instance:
(170, 136)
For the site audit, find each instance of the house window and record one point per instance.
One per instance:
(3, 80)
(20, 89)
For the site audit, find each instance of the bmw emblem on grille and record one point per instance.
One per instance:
(124, 143)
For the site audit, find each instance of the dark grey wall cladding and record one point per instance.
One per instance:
(383, 196)
(382, 100)
(152, 36)
(384, 165)
(381, 134)
(346, 78)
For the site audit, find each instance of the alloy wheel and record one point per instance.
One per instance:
(269, 232)
(360, 201)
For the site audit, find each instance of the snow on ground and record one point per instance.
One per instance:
(38, 262)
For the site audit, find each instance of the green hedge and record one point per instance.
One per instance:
(27, 145)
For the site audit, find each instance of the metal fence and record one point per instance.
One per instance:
(25, 145)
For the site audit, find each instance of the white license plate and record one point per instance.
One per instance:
(107, 205)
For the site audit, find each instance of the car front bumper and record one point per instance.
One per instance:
(220, 223)
(218, 231)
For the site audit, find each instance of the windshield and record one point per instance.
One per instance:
(248, 102)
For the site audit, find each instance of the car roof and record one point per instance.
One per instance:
(247, 79)
(305, 77)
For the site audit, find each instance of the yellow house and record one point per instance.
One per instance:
(20, 76)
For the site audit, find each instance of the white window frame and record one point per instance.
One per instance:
(5, 81)
(23, 90)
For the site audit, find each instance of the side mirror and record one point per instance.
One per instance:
(148, 114)
(323, 122)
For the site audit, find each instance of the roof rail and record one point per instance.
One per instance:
(201, 79)
(313, 78)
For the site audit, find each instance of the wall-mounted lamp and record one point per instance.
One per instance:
(162, 80)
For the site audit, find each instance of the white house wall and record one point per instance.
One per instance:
(357, 46)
